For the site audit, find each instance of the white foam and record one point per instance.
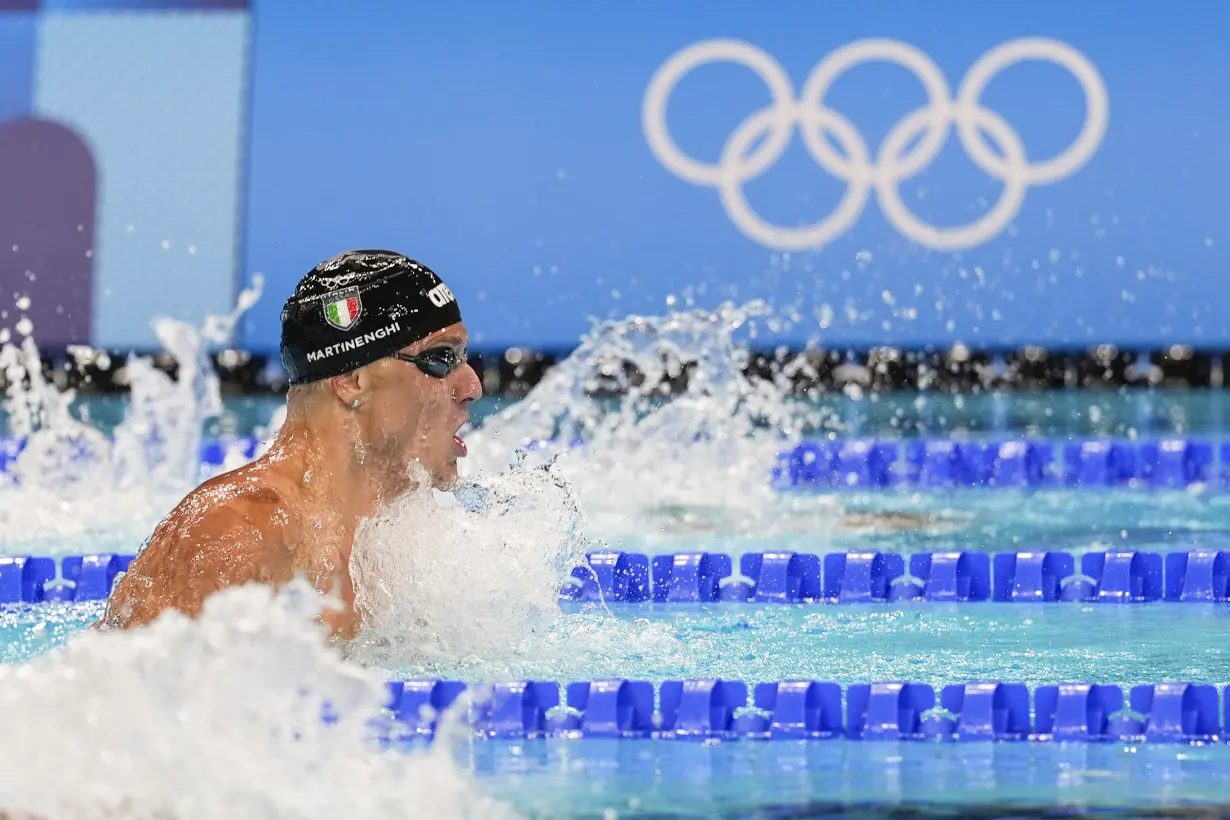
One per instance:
(218, 717)
(438, 580)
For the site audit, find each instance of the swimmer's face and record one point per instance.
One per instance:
(415, 415)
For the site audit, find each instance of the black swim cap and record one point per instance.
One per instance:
(358, 307)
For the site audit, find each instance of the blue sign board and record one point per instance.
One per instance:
(901, 172)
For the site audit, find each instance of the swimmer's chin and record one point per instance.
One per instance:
(448, 483)
(445, 480)
(419, 477)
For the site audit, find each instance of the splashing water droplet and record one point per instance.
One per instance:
(665, 423)
(117, 487)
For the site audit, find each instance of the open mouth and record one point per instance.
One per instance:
(460, 445)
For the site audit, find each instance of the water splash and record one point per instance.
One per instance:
(217, 717)
(71, 479)
(681, 439)
(439, 580)
(159, 440)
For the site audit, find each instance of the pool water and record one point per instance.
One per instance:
(923, 642)
(916, 641)
(804, 779)
(987, 520)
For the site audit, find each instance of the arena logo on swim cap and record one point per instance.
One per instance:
(440, 295)
(353, 344)
(342, 308)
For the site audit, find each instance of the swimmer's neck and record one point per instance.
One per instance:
(336, 467)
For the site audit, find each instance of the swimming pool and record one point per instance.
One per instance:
(935, 643)
(696, 503)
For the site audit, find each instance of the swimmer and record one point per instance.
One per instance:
(375, 350)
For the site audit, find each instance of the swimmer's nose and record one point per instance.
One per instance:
(467, 387)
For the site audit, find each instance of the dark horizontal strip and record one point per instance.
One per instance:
(123, 5)
(515, 370)
(895, 808)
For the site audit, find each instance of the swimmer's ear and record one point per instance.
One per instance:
(348, 389)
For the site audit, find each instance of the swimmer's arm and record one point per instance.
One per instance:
(227, 546)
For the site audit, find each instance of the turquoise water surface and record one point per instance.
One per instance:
(847, 643)
(806, 779)
(915, 641)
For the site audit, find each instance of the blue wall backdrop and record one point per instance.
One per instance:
(504, 144)
(891, 172)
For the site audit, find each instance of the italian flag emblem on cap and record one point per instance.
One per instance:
(342, 308)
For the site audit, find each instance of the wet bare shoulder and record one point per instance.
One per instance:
(226, 532)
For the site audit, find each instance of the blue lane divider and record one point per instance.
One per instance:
(949, 464)
(794, 710)
(22, 577)
(689, 576)
(886, 711)
(781, 576)
(33, 579)
(620, 576)
(715, 709)
(93, 575)
(983, 711)
(1031, 576)
(1121, 576)
(952, 576)
(516, 709)
(1200, 575)
(610, 708)
(861, 576)
(700, 709)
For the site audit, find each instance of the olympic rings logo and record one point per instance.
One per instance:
(930, 125)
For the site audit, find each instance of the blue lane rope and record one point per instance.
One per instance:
(936, 463)
(709, 709)
(948, 464)
(1118, 576)
(37, 579)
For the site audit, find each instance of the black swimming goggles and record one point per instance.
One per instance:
(437, 362)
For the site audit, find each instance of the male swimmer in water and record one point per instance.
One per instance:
(375, 349)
